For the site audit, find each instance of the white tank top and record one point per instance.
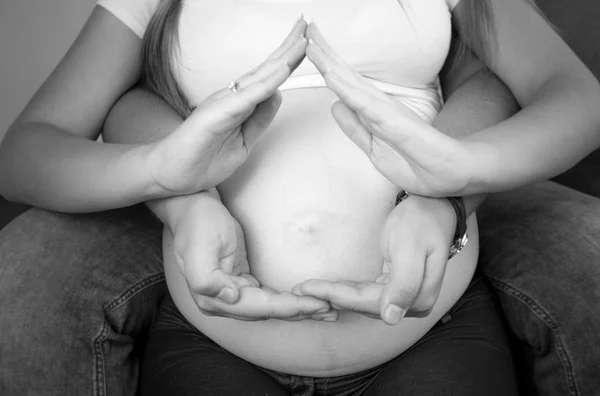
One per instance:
(399, 45)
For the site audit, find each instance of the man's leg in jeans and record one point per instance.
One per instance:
(76, 294)
(540, 248)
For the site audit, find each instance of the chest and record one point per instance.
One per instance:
(403, 42)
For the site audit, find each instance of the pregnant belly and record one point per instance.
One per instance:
(312, 206)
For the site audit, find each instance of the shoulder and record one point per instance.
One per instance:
(136, 14)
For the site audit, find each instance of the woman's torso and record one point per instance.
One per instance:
(310, 202)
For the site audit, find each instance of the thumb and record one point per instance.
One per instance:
(204, 272)
(260, 119)
(350, 124)
(435, 269)
(407, 268)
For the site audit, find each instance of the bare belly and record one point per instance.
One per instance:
(312, 206)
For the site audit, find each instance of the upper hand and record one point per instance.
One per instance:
(403, 147)
(209, 249)
(217, 137)
(415, 244)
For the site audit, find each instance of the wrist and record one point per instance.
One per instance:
(172, 211)
(436, 214)
(133, 161)
(145, 158)
(438, 208)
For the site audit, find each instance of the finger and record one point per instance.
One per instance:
(331, 316)
(258, 90)
(298, 32)
(259, 304)
(360, 297)
(290, 52)
(407, 268)
(435, 269)
(392, 122)
(290, 58)
(244, 280)
(224, 114)
(353, 89)
(260, 120)
(241, 265)
(293, 53)
(364, 99)
(351, 125)
(326, 60)
(250, 280)
(314, 33)
(203, 272)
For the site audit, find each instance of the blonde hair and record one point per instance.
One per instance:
(159, 46)
(475, 32)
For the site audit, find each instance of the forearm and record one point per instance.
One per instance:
(172, 210)
(478, 102)
(141, 117)
(553, 132)
(44, 166)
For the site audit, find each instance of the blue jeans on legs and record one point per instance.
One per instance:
(540, 249)
(77, 294)
(466, 353)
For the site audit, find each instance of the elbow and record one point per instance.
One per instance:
(585, 89)
(6, 191)
(590, 101)
(579, 92)
(11, 165)
(10, 198)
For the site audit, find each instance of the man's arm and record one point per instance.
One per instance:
(50, 157)
(474, 99)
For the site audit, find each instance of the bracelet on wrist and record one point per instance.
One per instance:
(460, 239)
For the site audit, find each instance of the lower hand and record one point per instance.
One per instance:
(415, 244)
(402, 146)
(210, 252)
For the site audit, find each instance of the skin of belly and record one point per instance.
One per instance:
(312, 206)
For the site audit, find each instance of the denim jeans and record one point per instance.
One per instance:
(540, 249)
(466, 353)
(78, 293)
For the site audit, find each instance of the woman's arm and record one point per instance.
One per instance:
(475, 99)
(141, 117)
(49, 156)
(559, 123)
(60, 169)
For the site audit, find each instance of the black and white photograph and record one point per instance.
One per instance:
(299, 197)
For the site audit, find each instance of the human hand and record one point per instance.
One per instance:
(217, 137)
(414, 244)
(209, 249)
(403, 147)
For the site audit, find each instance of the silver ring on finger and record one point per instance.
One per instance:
(233, 86)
